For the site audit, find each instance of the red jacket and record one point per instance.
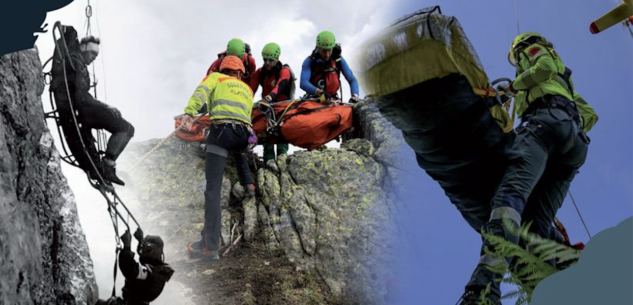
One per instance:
(249, 64)
(275, 82)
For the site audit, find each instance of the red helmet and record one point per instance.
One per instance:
(232, 63)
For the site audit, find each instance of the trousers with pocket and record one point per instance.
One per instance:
(545, 155)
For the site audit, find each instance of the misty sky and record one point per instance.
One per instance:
(154, 54)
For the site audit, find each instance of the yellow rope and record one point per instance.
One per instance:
(285, 110)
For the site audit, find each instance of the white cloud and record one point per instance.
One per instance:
(154, 54)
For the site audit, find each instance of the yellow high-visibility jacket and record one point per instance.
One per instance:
(540, 72)
(226, 97)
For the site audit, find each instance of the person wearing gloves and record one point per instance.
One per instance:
(321, 71)
(549, 147)
(145, 279)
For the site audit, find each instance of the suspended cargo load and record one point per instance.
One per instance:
(303, 123)
(429, 82)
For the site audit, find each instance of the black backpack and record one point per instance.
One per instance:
(292, 86)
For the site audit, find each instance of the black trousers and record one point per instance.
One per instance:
(223, 139)
(99, 116)
(91, 115)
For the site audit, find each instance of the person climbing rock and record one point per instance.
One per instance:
(236, 47)
(277, 81)
(145, 279)
(90, 112)
(320, 72)
(550, 146)
(230, 101)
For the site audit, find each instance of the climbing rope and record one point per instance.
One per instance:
(580, 215)
(101, 137)
(628, 25)
(70, 103)
(98, 182)
(161, 144)
(114, 216)
(516, 7)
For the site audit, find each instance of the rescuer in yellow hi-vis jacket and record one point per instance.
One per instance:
(549, 148)
(230, 102)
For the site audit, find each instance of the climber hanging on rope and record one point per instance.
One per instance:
(144, 280)
(79, 111)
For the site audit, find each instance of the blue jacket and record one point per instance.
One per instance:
(308, 78)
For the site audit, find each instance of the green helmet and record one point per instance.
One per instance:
(271, 51)
(520, 41)
(326, 40)
(236, 47)
(525, 36)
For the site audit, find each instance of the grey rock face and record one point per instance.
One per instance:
(44, 256)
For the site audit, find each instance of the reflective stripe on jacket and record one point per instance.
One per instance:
(226, 98)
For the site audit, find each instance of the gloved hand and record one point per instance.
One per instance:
(115, 112)
(186, 122)
(507, 88)
(268, 98)
(126, 239)
(323, 96)
(354, 99)
(138, 234)
(321, 92)
(261, 105)
(504, 98)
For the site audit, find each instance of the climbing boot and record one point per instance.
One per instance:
(250, 190)
(109, 172)
(197, 250)
(194, 248)
(471, 297)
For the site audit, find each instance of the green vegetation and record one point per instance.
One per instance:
(529, 261)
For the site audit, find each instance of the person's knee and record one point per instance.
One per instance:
(130, 131)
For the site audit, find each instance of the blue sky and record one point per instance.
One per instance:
(602, 65)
